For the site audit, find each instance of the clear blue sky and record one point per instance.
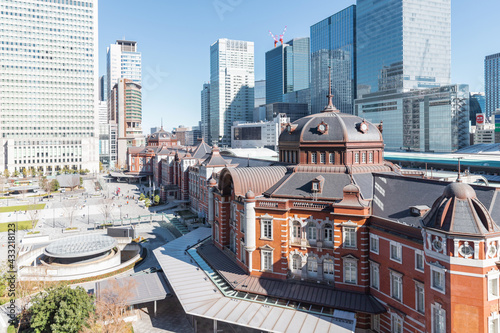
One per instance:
(175, 37)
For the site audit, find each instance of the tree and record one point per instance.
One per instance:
(33, 214)
(46, 185)
(16, 173)
(110, 308)
(61, 310)
(81, 181)
(25, 172)
(147, 202)
(54, 185)
(70, 209)
(156, 199)
(101, 167)
(142, 197)
(6, 173)
(106, 208)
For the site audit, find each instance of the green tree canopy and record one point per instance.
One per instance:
(156, 199)
(147, 202)
(61, 310)
(55, 185)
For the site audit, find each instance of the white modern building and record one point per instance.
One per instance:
(123, 61)
(232, 81)
(49, 85)
(262, 134)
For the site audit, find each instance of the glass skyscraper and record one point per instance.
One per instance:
(333, 43)
(49, 89)
(492, 83)
(287, 69)
(402, 45)
(477, 105)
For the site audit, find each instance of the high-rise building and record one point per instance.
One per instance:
(123, 61)
(260, 93)
(48, 93)
(428, 120)
(333, 44)
(126, 104)
(287, 69)
(402, 45)
(205, 112)
(103, 88)
(492, 83)
(477, 105)
(232, 82)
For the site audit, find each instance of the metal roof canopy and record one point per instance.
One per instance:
(200, 297)
(80, 246)
(143, 288)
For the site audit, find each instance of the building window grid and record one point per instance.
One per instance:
(374, 275)
(493, 278)
(419, 260)
(350, 271)
(374, 244)
(437, 279)
(396, 252)
(267, 260)
(397, 286)
(349, 237)
(267, 229)
(419, 297)
(438, 318)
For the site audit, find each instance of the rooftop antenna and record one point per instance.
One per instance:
(459, 180)
(161, 122)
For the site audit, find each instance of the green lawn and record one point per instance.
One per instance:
(22, 207)
(22, 225)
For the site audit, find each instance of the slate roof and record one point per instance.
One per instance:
(342, 127)
(201, 150)
(394, 195)
(321, 295)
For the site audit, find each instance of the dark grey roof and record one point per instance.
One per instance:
(68, 180)
(299, 184)
(322, 295)
(141, 288)
(393, 196)
(365, 183)
(201, 150)
(253, 162)
(341, 127)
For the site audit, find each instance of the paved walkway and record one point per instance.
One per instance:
(170, 317)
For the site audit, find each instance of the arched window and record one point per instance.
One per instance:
(296, 232)
(296, 264)
(328, 234)
(312, 233)
(328, 269)
(312, 267)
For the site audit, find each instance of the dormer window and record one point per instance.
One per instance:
(317, 184)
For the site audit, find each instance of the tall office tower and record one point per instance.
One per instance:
(260, 93)
(333, 44)
(103, 88)
(48, 90)
(477, 101)
(492, 83)
(402, 45)
(205, 112)
(287, 69)
(232, 82)
(123, 61)
(126, 104)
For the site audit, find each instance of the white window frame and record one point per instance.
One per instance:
(216, 208)
(441, 272)
(296, 226)
(296, 259)
(396, 277)
(419, 289)
(437, 310)
(263, 228)
(494, 319)
(349, 242)
(356, 157)
(493, 287)
(322, 158)
(351, 264)
(242, 252)
(396, 323)
(375, 275)
(216, 231)
(374, 239)
(314, 158)
(328, 269)
(370, 157)
(328, 231)
(399, 252)
(313, 232)
(363, 157)
(264, 266)
(331, 157)
(312, 265)
(419, 253)
(375, 323)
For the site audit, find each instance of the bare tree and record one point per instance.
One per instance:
(70, 208)
(46, 185)
(33, 214)
(106, 208)
(111, 308)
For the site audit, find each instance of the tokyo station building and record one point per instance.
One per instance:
(332, 226)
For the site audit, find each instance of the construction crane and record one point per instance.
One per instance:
(275, 37)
